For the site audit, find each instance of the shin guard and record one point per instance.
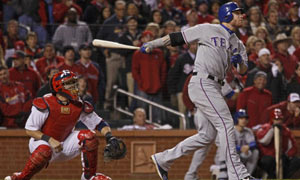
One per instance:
(89, 152)
(37, 161)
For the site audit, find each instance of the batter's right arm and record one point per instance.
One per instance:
(173, 39)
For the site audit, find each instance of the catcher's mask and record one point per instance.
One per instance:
(65, 83)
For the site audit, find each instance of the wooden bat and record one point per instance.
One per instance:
(111, 44)
(277, 144)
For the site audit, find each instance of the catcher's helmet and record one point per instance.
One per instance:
(65, 83)
(276, 114)
(225, 11)
(241, 113)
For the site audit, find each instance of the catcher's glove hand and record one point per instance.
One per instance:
(115, 149)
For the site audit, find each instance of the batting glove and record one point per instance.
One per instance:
(236, 59)
(146, 48)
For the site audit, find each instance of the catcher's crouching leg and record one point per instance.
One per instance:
(37, 161)
(89, 152)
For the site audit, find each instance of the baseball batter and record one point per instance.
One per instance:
(51, 124)
(219, 48)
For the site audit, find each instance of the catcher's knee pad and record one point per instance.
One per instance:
(41, 155)
(88, 140)
(89, 152)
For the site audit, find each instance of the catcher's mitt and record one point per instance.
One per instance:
(115, 149)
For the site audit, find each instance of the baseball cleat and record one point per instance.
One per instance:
(162, 173)
(250, 178)
(13, 177)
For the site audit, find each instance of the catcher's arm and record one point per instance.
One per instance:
(38, 135)
(115, 148)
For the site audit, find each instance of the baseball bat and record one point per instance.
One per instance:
(111, 44)
(277, 144)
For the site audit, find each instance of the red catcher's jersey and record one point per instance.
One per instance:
(61, 119)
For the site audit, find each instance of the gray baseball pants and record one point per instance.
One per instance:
(216, 118)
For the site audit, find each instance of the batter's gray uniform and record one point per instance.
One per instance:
(200, 154)
(216, 46)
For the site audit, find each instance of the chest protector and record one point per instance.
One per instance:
(62, 118)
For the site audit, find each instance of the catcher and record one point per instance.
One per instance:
(50, 126)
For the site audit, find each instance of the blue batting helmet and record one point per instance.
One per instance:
(225, 11)
(241, 113)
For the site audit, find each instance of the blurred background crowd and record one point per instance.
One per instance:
(41, 37)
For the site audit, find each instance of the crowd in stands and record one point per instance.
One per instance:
(39, 38)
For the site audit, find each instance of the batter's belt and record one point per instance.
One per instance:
(221, 82)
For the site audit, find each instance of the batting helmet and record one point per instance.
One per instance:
(65, 83)
(241, 113)
(225, 11)
(276, 114)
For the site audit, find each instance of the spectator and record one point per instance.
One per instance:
(19, 45)
(294, 85)
(263, 33)
(21, 73)
(131, 37)
(283, 8)
(214, 8)
(139, 121)
(245, 141)
(178, 74)
(203, 12)
(69, 60)
(29, 62)
(243, 32)
(248, 4)
(273, 25)
(250, 44)
(61, 8)
(49, 59)
(265, 137)
(31, 47)
(45, 89)
(132, 10)
(72, 32)
(156, 17)
(89, 70)
(187, 5)
(170, 53)
(270, 6)
(288, 61)
(263, 64)
(290, 110)
(10, 35)
(295, 35)
(96, 13)
(82, 90)
(35, 17)
(256, 18)
(143, 7)
(275, 79)
(149, 73)
(192, 19)
(258, 45)
(93, 13)
(112, 30)
(169, 12)
(255, 99)
(292, 18)
(15, 101)
(155, 29)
